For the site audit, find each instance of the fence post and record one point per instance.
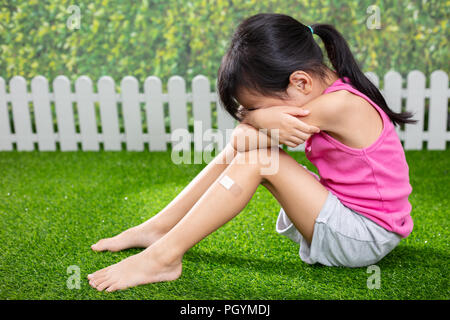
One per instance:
(155, 114)
(86, 114)
(437, 124)
(201, 110)
(21, 114)
(5, 128)
(43, 114)
(108, 114)
(177, 110)
(132, 114)
(64, 114)
(393, 93)
(415, 103)
(373, 78)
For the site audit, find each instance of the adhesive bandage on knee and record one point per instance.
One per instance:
(230, 185)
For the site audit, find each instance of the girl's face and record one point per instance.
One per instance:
(302, 88)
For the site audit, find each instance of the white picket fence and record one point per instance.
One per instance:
(17, 118)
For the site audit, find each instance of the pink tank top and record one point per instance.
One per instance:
(373, 181)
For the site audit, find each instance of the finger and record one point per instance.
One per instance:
(297, 140)
(314, 129)
(289, 143)
(274, 133)
(274, 141)
(304, 127)
(300, 135)
(297, 111)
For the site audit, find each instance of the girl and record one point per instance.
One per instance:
(272, 74)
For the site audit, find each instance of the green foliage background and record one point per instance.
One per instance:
(186, 38)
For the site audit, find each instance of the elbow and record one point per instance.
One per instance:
(242, 137)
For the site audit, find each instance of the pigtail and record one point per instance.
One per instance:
(345, 65)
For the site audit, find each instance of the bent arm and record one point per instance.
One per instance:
(326, 112)
(246, 137)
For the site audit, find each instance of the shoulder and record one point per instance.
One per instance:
(337, 107)
(334, 110)
(352, 119)
(344, 100)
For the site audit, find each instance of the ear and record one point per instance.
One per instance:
(301, 81)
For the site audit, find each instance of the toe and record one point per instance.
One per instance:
(92, 283)
(113, 287)
(105, 284)
(97, 281)
(99, 246)
(100, 272)
(95, 274)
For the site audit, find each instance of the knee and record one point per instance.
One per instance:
(265, 161)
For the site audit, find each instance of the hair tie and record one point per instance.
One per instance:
(310, 28)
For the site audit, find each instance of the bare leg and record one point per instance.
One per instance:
(148, 232)
(300, 194)
(244, 137)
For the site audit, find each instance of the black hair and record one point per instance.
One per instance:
(268, 47)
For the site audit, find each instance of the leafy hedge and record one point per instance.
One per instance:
(168, 37)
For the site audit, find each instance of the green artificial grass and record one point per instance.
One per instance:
(54, 205)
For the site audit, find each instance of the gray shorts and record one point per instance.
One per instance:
(342, 237)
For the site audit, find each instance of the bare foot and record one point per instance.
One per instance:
(141, 236)
(145, 267)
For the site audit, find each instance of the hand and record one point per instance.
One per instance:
(292, 131)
